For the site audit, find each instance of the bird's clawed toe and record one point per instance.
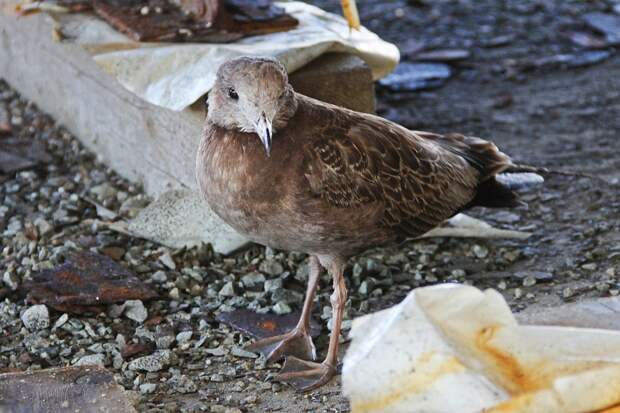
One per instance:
(297, 343)
(305, 375)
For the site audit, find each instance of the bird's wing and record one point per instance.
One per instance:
(419, 178)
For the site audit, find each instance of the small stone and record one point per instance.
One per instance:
(174, 294)
(167, 260)
(11, 280)
(518, 293)
(281, 308)
(135, 310)
(159, 277)
(61, 321)
(591, 266)
(152, 363)
(273, 284)
(358, 270)
(36, 317)
(148, 388)
(458, 273)
(611, 271)
(567, 292)
(228, 290)
(44, 227)
(253, 279)
(103, 191)
(239, 352)
(164, 342)
(480, 251)
(529, 281)
(91, 359)
(183, 384)
(217, 352)
(217, 378)
(271, 267)
(184, 337)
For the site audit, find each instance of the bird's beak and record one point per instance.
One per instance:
(264, 131)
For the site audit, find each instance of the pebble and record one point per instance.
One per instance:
(174, 294)
(281, 308)
(164, 342)
(228, 290)
(567, 292)
(135, 310)
(159, 277)
(167, 260)
(91, 359)
(589, 266)
(273, 284)
(529, 281)
(36, 317)
(61, 321)
(154, 362)
(148, 388)
(480, 251)
(184, 337)
(253, 279)
(271, 267)
(239, 352)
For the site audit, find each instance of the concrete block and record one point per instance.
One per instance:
(338, 78)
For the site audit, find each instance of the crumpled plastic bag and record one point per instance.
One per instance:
(453, 348)
(176, 75)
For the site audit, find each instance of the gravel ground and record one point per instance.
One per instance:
(179, 358)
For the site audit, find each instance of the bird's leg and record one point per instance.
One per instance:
(296, 342)
(306, 375)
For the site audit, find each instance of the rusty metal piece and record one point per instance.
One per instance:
(21, 154)
(86, 282)
(261, 326)
(214, 21)
(61, 390)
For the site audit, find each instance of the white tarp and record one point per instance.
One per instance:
(176, 75)
(454, 348)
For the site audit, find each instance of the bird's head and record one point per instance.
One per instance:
(252, 95)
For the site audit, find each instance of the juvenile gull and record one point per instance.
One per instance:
(295, 173)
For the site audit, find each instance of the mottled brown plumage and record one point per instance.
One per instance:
(330, 182)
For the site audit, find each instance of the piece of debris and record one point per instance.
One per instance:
(454, 348)
(181, 219)
(416, 76)
(442, 55)
(264, 325)
(607, 24)
(21, 154)
(464, 226)
(212, 21)
(61, 390)
(86, 282)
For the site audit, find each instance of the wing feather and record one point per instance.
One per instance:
(419, 178)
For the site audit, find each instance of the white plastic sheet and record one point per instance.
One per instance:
(454, 348)
(176, 75)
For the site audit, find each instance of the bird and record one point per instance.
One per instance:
(294, 173)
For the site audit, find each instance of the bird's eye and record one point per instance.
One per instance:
(232, 93)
